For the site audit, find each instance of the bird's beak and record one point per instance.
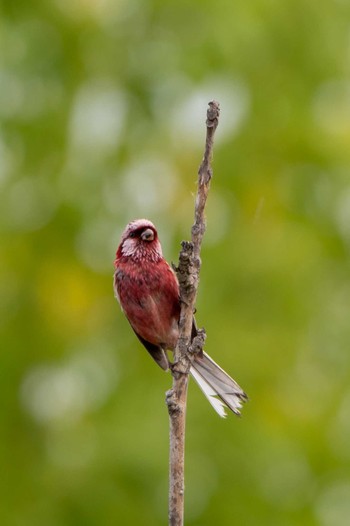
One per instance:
(147, 235)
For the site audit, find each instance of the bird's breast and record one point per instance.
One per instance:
(149, 297)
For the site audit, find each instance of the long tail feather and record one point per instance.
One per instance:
(219, 388)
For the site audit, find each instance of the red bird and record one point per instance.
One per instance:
(148, 292)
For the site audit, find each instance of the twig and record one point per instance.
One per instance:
(188, 276)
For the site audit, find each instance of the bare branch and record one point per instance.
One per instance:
(188, 276)
(205, 174)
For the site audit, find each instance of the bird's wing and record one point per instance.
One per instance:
(156, 351)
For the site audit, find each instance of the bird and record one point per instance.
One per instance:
(147, 290)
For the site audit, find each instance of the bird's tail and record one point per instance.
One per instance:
(219, 388)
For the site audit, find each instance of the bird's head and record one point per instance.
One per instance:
(140, 241)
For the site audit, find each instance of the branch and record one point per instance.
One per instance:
(188, 276)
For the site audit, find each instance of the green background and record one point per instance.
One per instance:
(102, 107)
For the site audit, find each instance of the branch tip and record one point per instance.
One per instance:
(213, 114)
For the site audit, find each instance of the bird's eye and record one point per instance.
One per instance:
(132, 234)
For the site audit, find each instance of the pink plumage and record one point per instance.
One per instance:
(148, 292)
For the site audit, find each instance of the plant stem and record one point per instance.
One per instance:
(188, 276)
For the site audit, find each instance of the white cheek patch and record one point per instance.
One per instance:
(151, 251)
(129, 247)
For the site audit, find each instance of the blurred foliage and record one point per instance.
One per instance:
(102, 107)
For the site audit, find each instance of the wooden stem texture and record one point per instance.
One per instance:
(188, 276)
